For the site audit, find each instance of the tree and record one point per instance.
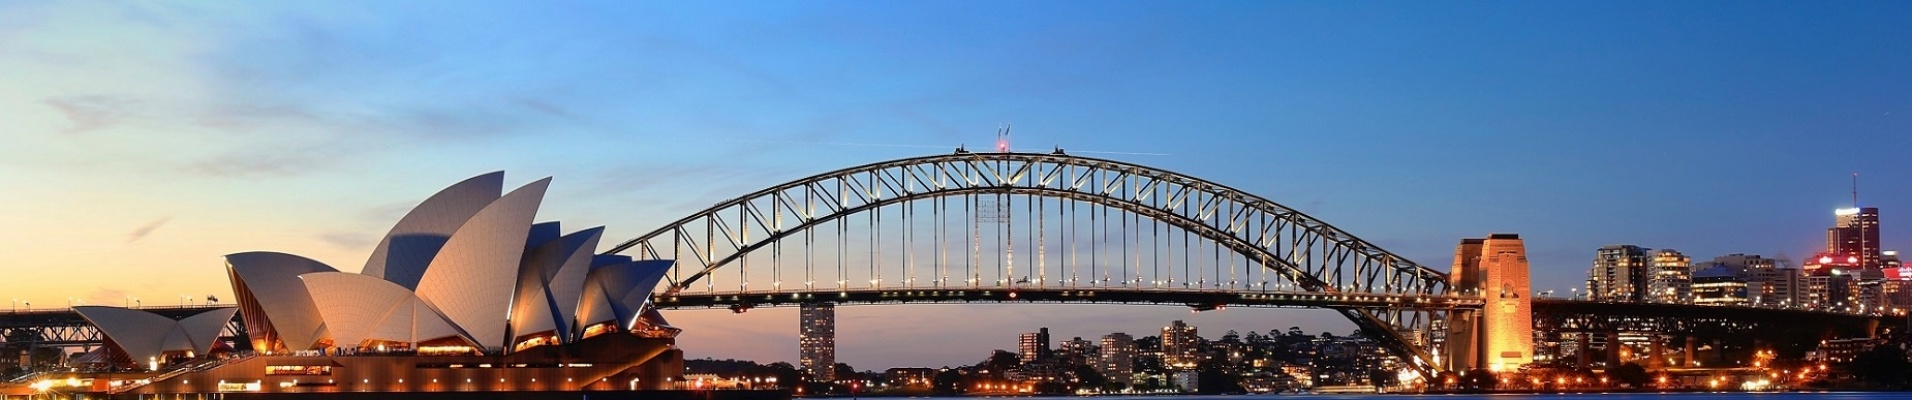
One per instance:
(844, 372)
(1089, 377)
(949, 381)
(1631, 374)
(1232, 338)
(1211, 379)
(1883, 366)
(786, 374)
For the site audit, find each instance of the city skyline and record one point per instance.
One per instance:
(145, 141)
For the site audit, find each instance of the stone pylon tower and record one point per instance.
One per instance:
(1500, 336)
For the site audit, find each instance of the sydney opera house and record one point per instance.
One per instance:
(467, 293)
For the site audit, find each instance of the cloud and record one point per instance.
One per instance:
(106, 296)
(91, 112)
(143, 231)
(346, 240)
(260, 161)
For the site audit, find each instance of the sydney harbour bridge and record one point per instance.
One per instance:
(1004, 227)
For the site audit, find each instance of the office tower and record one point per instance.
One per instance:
(1856, 234)
(1034, 346)
(1118, 357)
(1669, 277)
(1618, 274)
(1500, 335)
(816, 340)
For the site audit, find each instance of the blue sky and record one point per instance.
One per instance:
(140, 142)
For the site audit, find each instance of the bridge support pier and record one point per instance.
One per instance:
(1499, 336)
(1656, 357)
(1692, 349)
(1613, 349)
(1586, 350)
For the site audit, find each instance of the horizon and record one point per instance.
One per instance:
(143, 142)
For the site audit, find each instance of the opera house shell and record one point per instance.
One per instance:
(467, 292)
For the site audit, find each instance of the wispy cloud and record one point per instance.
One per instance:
(347, 240)
(91, 112)
(145, 230)
(261, 162)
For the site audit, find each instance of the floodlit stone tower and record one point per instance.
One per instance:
(1500, 335)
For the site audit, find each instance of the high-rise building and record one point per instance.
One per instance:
(1618, 274)
(1500, 335)
(1034, 346)
(1856, 234)
(1118, 357)
(1181, 347)
(816, 340)
(1669, 277)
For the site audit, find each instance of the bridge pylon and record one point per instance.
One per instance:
(1499, 336)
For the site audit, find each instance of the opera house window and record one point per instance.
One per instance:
(298, 370)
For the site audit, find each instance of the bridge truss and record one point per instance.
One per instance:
(997, 224)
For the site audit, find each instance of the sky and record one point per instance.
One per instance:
(140, 142)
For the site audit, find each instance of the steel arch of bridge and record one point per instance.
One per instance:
(1315, 256)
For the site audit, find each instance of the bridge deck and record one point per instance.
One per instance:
(1191, 298)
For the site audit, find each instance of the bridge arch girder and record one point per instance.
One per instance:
(1311, 253)
(1142, 191)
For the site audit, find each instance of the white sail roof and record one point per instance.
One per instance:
(268, 287)
(144, 335)
(473, 277)
(360, 308)
(405, 252)
(550, 282)
(617, 292)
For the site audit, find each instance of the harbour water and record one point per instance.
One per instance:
(1516, 396)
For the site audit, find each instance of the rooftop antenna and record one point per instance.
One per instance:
(1855, 190)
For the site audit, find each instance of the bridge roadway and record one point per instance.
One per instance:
(1196, 299)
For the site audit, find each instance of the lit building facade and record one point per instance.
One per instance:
(1077, 351)
(1181, 346)
(1618, 274)
(816, 341)
(1117, 360)
(1721, 290)
(1856, 233)
(1500, 335)
(1669, 277)
(1780, 287)
(1033, 347)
